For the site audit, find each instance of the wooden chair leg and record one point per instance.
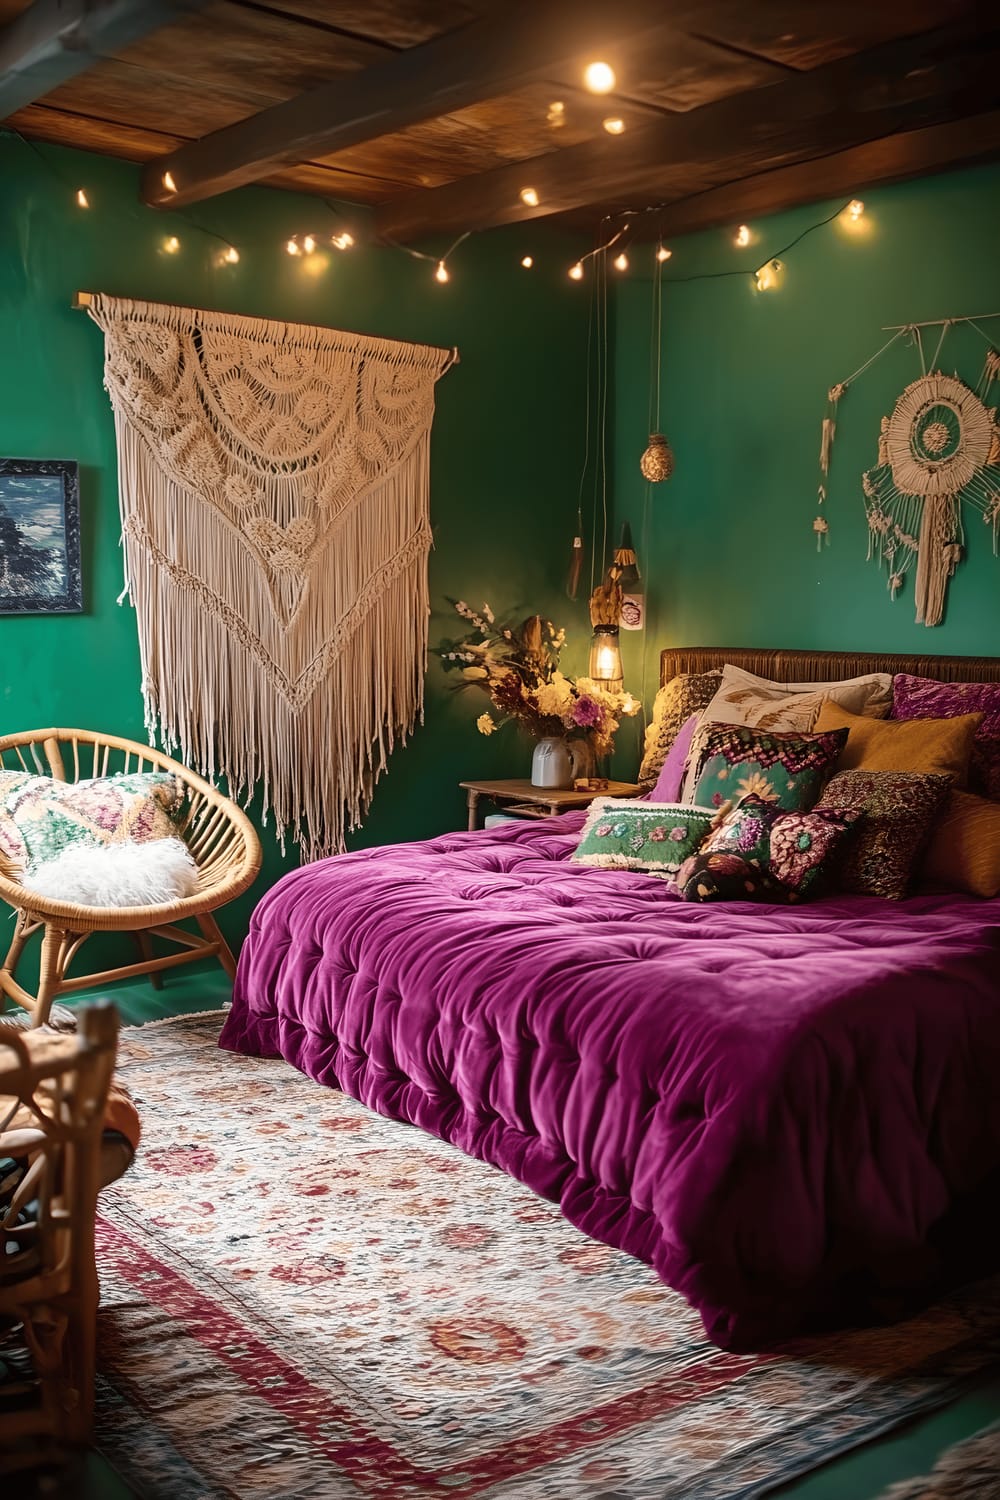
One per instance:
(145, 946)
(211, 929)
(50, 974)
(23, 928)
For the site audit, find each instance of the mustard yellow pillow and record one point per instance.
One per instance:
(964, 851)
(931, 747)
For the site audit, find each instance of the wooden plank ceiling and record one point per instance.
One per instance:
(730, 107)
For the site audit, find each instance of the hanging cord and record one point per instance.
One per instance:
(917, 338)
(944, 329)
(869, 362)
(604, 411)
(586, 437)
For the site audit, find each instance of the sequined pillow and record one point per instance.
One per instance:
(792, 851)
(900, 809)
(923, 698)
(621, 834)
(731, 761)
(40, 818)
(674, 704)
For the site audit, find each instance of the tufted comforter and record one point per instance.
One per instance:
(787, 1112)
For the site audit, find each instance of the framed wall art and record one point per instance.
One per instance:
(39, 537)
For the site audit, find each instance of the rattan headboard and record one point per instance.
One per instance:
(824, 666)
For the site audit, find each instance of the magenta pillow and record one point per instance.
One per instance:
(671, 777)
(923, 698)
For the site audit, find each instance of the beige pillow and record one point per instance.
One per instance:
(676, 701)
(743, 698)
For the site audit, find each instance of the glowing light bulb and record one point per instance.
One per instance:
(82, 201)
(767, 275)
(309, 244)
(621, 262)
(742, 236)
(662, 253)
(599, 77)
(527, 261)
(855, 209)
(342, 241)
(168, 182)
(293, 247)
(556, 114)
(529, 197)
(171, 244)
(614, 125)
(231, 255)
(441, 274)
(576, 272)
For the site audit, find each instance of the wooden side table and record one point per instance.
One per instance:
(536, 801)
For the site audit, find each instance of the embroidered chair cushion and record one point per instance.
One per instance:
(638, 835)
(933, 747)
(923, 698)
(39, 817)
(673, 705)
(900, 809)
(730, 761)
(743, 698)
(786, 854)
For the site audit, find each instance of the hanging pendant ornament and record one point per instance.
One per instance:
(657, 463)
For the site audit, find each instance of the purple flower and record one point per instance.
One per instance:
(678, 834)
(603, 830)
(587, 712)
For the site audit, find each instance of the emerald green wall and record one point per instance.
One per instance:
(730, 556)
(504, 450)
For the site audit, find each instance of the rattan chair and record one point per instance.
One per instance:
(53, 1091)
(221, 838)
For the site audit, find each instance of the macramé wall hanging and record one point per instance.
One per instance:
(274, 487)
(939, 447)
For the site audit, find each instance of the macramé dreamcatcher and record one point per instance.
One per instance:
(938, 449)
(274, 489)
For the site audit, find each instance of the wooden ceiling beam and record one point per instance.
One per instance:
(893, 158)
(514, 44)
(54, 40)
(903, 85)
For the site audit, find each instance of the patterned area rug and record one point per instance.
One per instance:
(966, 1471)
(302, 1299)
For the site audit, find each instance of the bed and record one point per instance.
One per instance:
(791, 1113)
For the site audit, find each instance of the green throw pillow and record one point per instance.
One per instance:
(730, 761)
(653, 836)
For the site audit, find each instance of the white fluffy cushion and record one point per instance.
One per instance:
(743, 698)
(125, 874)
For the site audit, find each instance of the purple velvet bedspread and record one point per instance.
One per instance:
(779, 1109)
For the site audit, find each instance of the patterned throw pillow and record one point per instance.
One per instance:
(621, 834)
(730, 761)
(40, 818)
(923, 698)
(743, 698)
(674, 704)
(786, 853)
(899, 808)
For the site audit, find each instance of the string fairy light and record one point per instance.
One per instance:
(614, 125)
(621, 262)
(662, 253)
(442, 273)
(855, 209)
(599, 77)
(82, 201)
(742, 236)
(171, 244)
(309, 244)
(293, 247)
(527, 261)
(529, 197)
(576, 271)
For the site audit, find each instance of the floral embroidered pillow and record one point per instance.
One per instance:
(900, 809)
(731, 761)
(622, 834)
(677, 700)
(923, 698)
(40, 818)
(785, 854)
